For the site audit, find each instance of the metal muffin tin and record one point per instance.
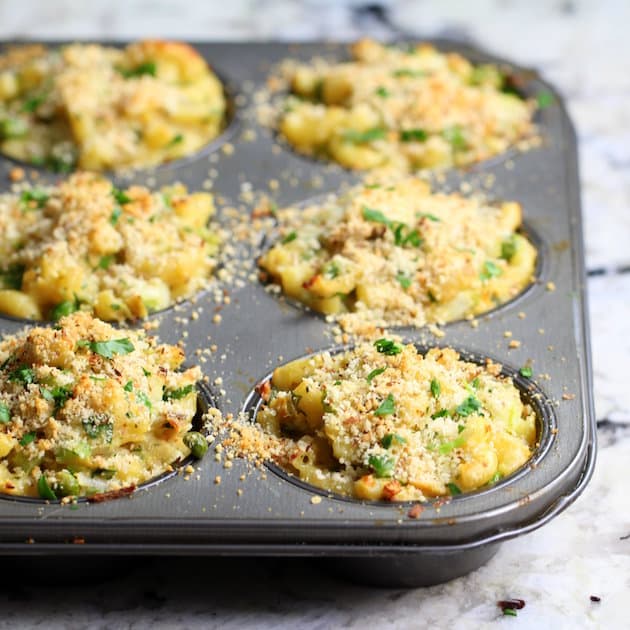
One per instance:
(259, 512)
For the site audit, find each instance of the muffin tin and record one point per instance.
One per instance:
(241, 510)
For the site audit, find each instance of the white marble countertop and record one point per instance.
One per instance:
(583, 48)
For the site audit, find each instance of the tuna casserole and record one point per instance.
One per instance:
(86, 408)
(411, 108)
(383, 255)
(383, 422)
(86, 245)
(98, 108)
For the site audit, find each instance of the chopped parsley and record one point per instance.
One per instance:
(436, 388)
(388, 347)
(544, 99)
(363, 137)
(108, 349)
(11, 277)
(401, 239)
(99, 425)
(179, 138)
(31, 104)
(376, 216)
(27, 438)
(179, 393)
(374, 373)
(383, 465)
(413, 135)
(57, 395)
(387, 407)
(144, 399)
(403, 280)
(428, 215)
(120, 196)
(526, 371)
(408, 72)
(490, 270)
(23, 374)
(331, 270)
(34, 195)
(105, 262)
(64, 308)
(383, 92)
(128, 386)
(442, 413)
(470, 405)
(453, 488)
(496, 477)
(113, 219)
(146, 68)
(291, 236)
(390, 438)
(5, 414)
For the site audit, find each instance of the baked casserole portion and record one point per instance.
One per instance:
(384, 422)
(103, 108)
(410, 108)
(86, 408)
(86, 245)
(397, 254)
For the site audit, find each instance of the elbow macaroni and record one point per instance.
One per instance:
(411, 109)
(382, 422)
(85, 245)
(86, 408)
(384, 255)
(100, 108)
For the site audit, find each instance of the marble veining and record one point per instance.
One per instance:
(582, 47)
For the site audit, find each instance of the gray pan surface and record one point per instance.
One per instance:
(274, 515)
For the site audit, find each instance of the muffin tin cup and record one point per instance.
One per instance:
(245, 510)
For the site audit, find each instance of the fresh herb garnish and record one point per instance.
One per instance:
(490, 270)
(436, 388)
(387, 407)
(27, 438)
(453, 489)
(408, 72)
(57, 395)
(496, 477)
(11, 278)
(120, 196)
(475, 382)
(544, 99)
(105, 262)
(428, 215)
(291, 236)
(390, 438)
(508, 248)
(374, 373)
(442, 413)
(331, 270)
(64, 308)
(403, 280)
(148, 67)
(108, 349)
(23, 374)
(470, 405)
(116, 212)
(387, 346)
(383, 465)
(5, 414)
(34, 194)
(376, 216)
(128, 386)
(176, 140)
(178, 394)
(526, 371)
(383, 92)
(363, 137)
(413, 135)
(401, 239)
(31, 104)
(99, 425)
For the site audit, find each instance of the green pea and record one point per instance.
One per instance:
(197, 444)
(67, 484)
